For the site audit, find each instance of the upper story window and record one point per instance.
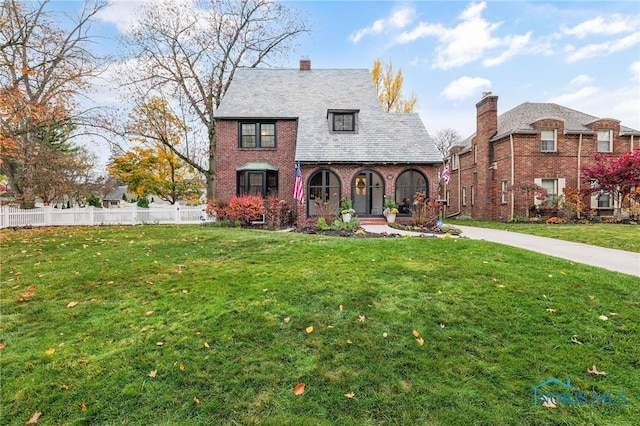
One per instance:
(605, 138)
(455, 162)
(257, 135)
(549, 140)
(343, 121)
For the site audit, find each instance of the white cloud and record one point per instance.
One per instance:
(121, 13)
(615, 24)
(621, 104)
(635, 71)
(464, 87)
(581, 80)
(399, 19)
(603, 49)
(469, 41)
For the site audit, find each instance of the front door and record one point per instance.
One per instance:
(367, 190)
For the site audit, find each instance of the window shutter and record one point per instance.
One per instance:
(536, 201)
(594, 201)
(561, 184)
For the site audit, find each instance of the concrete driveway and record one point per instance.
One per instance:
(614, 260)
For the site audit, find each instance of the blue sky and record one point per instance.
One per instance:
(583, 55)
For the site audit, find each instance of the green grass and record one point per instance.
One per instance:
(610, 235)
(217, 299)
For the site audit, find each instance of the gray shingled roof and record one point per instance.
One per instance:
(520, 118)
(308, 95)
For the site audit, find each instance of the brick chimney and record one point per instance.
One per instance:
(305, 63)
(486, 128)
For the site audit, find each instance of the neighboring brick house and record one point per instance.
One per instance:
(333, 123)
(534, 143)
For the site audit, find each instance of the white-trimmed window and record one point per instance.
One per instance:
(464, 196)
(553, 188)
(455, 162)
(504, 193)
(548, 139)
(601, 200)
(605, 140)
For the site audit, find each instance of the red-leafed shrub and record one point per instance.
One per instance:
(246, 208)
(218, 208)
(277, 213)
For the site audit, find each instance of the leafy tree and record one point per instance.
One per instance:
(389, 88)
(617, 176)
(43, 67)
(153, 167)
(189, 56)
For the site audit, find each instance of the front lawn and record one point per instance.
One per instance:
(611, 235)
(188, 325)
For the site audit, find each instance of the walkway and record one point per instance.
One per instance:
(614, 260)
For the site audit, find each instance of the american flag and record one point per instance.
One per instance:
(445, 173)
(298, 190)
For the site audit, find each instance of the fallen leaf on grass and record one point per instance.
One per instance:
(153, 373)
(286, 320)
(309, 329)
(83, 361)
(576, 341)
(181, 367)
(420, 341)
(206, 345)
(340, 308)
(72, 304)
(595, 371)
(384, 334)
(3, 345)
(159, 343)
(196, 400)
(361, 318)
(553, 311)
(350, 395)
(603, 317)
(34, 419)
(148, 313)
(299, 389)
(416, 334)
(84, 407)
(49, 351)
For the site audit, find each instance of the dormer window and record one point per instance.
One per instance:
(604, 140)
(549, 138)
(343, 121)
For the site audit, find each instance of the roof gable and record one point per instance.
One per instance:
(309, 95)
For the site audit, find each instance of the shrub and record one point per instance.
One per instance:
(94, 200)
(321, 224)
(518, 218)
(277, 213)
(143, 202)
(425, 212)
(325, 210)
(556, 220)
(217, 208)
(246, 208)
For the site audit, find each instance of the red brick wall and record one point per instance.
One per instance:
(230, 156)
(571, 155)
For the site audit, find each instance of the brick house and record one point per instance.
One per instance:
(534, 143)
(332, 122)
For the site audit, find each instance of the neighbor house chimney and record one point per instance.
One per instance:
(305, 63)
(486, 128)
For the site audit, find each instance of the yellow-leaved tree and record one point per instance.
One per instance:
(389, 87)
(152, 167)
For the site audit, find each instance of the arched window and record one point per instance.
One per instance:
(324, 187)
(408, 183)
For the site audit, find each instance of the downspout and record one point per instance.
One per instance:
(513, 176)
(579, 165)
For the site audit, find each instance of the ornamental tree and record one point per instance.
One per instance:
(618, 176)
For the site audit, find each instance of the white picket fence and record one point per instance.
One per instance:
(130, 215)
